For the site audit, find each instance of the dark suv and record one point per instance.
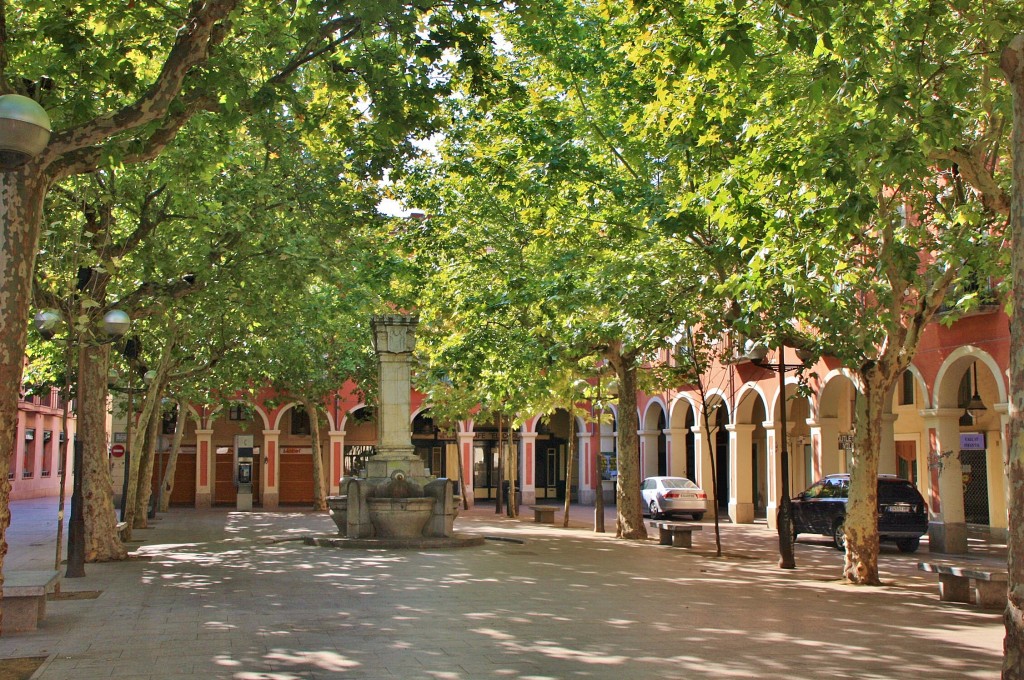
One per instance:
(902, 515)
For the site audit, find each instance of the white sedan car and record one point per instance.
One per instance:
(664, 496)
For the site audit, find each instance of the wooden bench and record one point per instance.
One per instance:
(676, 534)
(955, 584)
(543, 514)
(24, 600)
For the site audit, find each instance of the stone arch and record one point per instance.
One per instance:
(834, 422)
(749, 453)
(683, 418)
(977, 436)
(955, 365)
(654, 454)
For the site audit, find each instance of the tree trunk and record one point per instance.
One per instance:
(101, 541)
(319, 487)
(1012, 63)
(629, 514)
(167, 481)
(141, 468)
(861, 526)
(21, 204)
(146, 467)
(501, 470)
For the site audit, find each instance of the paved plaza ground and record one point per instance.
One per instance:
(219, 594)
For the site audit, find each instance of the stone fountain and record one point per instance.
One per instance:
(397, 502)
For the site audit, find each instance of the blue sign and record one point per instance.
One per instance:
(972, 441)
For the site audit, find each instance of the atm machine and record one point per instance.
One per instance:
(243, 470)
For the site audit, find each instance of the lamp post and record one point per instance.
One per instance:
(47, 323)
(757, 354)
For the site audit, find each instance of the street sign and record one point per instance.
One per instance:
(117, 450)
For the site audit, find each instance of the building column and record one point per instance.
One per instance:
(741, 472)
(648, 452)
(269, 480)
(204, 469)
(528, 451)
(465, 444)
(996, 442)
(596, 459)
(669, 463)
(947, 532)
(829, 457)
(336, 465)
(887, 446)
(702, 475)
(584, 469)
(774, 469)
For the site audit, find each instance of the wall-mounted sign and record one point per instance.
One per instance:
(972, 441)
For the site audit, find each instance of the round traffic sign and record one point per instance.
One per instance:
(117, 450)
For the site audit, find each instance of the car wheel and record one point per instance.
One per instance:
(908, 545)
(698, 516)
(654, 510)
(838, 535)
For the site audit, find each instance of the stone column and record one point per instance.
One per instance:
(394, 339)
(269, 480)
(336, 466)
(584, 469)
(774, 481)
(702, 475)
(741, 479)
(205, 468)
(887, 446)
(528, 446)
(465, 444)
(998, 444)
(648, 452)
(830, 458)
(947, 532)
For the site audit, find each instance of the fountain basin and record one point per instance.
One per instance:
(338, 507)
(398, 517)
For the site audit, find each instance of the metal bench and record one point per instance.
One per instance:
(24, 599)
(543, 514)
(676, 534)
(955, 584)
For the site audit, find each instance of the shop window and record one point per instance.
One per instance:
(300, 422)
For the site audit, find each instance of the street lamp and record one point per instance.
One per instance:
(47, 323)
(757, 355)
(24, 130)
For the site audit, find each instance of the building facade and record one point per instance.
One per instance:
(955, 455)
(37, 464)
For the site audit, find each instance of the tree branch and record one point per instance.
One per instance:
(191, 48)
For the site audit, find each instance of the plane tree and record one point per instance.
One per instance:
(858, 164)
(122, 82)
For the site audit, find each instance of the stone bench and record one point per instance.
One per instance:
(676, 534)
(955, 584)
(24, 598)
(122, 529)
(543, 514)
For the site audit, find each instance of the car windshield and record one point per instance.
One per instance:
(896, 491)
(678, 483)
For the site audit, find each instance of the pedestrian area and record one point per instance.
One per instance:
(225, 594)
